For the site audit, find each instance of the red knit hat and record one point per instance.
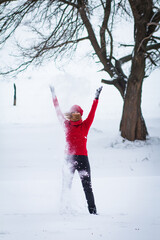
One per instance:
(76, 108)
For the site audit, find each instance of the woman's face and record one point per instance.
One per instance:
(75, 116)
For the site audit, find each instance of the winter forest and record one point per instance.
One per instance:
(66, 50)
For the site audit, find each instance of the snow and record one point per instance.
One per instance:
(125, 175)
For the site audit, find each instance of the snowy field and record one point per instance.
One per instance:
(125, 175)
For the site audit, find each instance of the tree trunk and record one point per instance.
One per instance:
(132, 124)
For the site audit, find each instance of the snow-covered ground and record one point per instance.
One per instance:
(125, 175)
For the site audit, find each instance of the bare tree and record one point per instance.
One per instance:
(58, 27)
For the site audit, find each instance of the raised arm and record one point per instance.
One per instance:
(91, 114)
(60, 115)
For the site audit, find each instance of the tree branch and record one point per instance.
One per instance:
(129, 57)
(102, 3)
(20, 68)
(104, 27)
(108, 66)
(153, 23)
(6, 1)
(119, 83)
(111, 43)
(67, 42)
(12, 20)
(70, 3)
(149, 36)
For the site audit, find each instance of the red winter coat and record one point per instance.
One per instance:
(76, 132)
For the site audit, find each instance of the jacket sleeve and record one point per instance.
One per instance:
(60, 115)
(91, 115)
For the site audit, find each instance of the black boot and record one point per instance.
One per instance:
(92, 210)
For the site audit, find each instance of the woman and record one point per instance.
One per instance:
(76, 131)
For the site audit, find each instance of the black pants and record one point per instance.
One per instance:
(81, 164)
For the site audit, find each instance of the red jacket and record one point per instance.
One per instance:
(76, 132)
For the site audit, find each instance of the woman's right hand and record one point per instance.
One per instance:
(52, 91)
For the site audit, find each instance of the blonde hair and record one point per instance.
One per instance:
(72, 116)
(68, 115)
